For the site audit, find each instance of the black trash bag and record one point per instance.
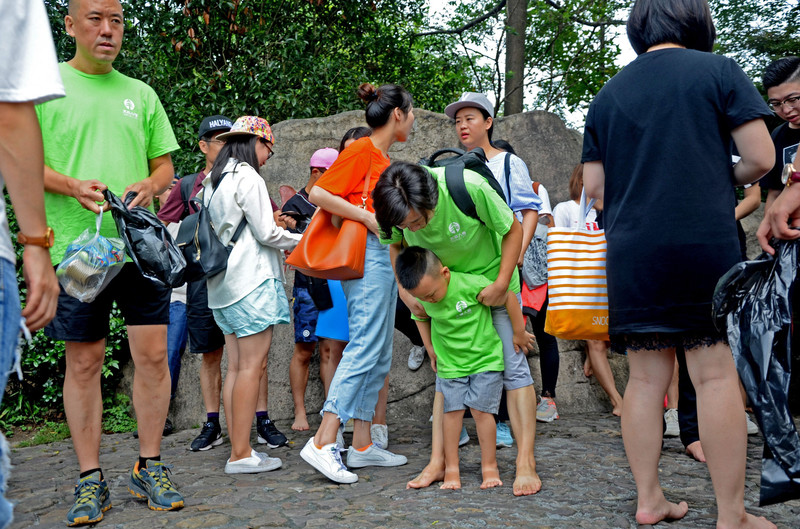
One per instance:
(752, 301)
(147, 241)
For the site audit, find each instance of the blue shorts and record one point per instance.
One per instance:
(305, 316)
(332, 323)
(256, 312)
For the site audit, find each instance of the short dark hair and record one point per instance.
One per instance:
(684, 22)
(402, 187)
(576, 182)
(413, 263)
(241, 147)
(354, 134)
(783, 70)
(382, 101)
(503, 145)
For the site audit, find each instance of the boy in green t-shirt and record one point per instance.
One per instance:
(465, 350)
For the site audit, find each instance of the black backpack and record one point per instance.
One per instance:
(474, 160)
(186, 184)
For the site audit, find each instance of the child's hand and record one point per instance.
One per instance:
(433, 360)
(523, 341)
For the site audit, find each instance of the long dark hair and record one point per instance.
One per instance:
(242, 147)
(684, 22)
(402, 187)
(382, 101)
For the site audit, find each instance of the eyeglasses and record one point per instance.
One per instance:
(266, 144)
(791, 102)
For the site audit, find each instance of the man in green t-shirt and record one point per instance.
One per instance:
(414, 207)
(109, 132)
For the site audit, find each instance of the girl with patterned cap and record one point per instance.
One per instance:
(248, 298)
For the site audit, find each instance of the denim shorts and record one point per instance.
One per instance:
(305, 316)
(480, 391)
(9, 339)
(256, 312)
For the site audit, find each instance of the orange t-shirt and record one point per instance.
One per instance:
(345, 177)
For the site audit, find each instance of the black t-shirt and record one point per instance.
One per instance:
(662, 127)
(786, 141)
(299, 203)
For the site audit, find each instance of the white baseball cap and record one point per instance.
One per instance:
(469, 99)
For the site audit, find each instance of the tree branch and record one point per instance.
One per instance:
(469, 25)
(591, 23)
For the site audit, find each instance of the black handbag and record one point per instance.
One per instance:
(147, 241)
(197, 240)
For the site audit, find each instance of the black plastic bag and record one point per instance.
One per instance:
(147, 241)
(753, 302)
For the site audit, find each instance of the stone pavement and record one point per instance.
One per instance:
(581, 460)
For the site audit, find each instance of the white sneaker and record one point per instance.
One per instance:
(379, 433)
(374, 457)
(257, 462)
(752, 428)
(328, 461)
(415, 357)
(671, 418)
(464, 437)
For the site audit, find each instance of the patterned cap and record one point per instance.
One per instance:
(252, 125)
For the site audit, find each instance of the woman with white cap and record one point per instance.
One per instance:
(248, 298)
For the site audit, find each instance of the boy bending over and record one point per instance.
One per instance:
(465, 352)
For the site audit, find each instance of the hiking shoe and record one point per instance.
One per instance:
(464, 437)
(379, 433)
(269, 434)
(504, 436)
(209, 437)
(257, 462)
(328, 461)
(671, 419)
(373, 457)
(752, 428)
(92, 499)
(546, 411)
(154, 484)
(168, 429)
(415, 357)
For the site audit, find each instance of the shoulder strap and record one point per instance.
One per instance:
(187, 183)
(507, 169)
(454, 179)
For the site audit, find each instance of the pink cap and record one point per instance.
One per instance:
(323, 158)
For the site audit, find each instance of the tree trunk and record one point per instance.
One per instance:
(516, 22)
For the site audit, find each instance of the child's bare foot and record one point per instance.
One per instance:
(695, 450)
(429, 475)
(750, 522)
(491, 477)
(664, 511)
(452, 480)
(587, 367)
(527, 482)
(300, 423)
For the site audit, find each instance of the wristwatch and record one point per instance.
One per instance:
(45, 241)
(789, 175)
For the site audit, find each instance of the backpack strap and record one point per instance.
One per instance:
(187, 183)
(507, 170)
(454, 179)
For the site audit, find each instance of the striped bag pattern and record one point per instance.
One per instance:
(576, 277)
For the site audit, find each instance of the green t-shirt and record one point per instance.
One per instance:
(108, 127)
(462, 243)
(462, 332)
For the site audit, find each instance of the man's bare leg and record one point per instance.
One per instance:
(434, 471)
(522, 412)
(151, 384)
(211, 380)
(83, 401)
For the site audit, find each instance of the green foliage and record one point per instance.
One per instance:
(49, 432)
(117, 416)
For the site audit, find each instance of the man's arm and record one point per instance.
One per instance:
(750, 202)
(87, 192)
(495, 294)
(21, 163)
(778, 219)
(411, 302)
(161, 173)
(772, 194)
(530, 217)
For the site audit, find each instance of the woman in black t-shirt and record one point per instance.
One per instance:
(657, 151)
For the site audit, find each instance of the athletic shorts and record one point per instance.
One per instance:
(204, 335)
(480, 391)
(141, 301)
(305, 316)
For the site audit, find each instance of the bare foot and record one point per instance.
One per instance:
(695, 450)
(527, 482)
(300, 423)
(665, 511)
(452, 480)
(429, 475)
(750, 522)
(491, 477)
(587, 367)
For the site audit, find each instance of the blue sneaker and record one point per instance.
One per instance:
(92, 499)
(154, 484)
(504, 436)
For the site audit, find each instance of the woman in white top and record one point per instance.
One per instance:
(248, 298)
(566, 215)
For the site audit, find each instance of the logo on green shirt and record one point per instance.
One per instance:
(129, 106)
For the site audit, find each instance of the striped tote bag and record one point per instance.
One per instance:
(576, 277)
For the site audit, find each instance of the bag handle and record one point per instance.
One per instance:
(367, 178)
(586, 208)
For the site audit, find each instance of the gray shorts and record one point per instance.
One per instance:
(517, 372)
(480, 391)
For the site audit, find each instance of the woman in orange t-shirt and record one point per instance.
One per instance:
(371, 300)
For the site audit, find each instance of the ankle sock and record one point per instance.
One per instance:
(262, 414)
(92, 471)
(143, 460)
(212, 417)
(363, 449)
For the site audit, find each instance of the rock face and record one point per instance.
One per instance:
(551, 151)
